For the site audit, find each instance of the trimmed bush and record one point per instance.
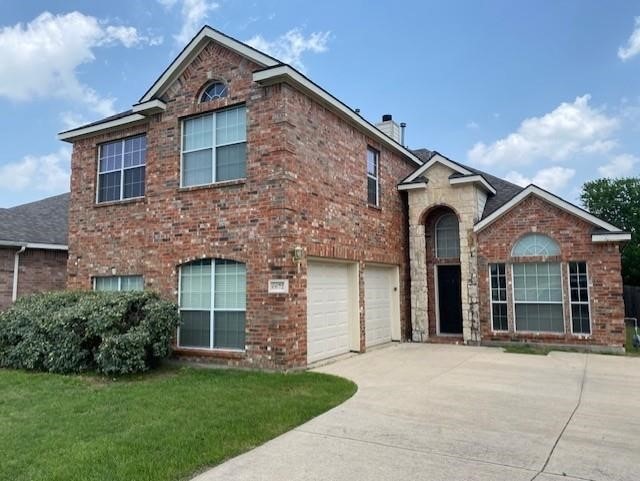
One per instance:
(71, 332)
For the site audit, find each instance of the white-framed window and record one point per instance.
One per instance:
(121, 169)
(535, 245)
(447, 236)
(212, 298)
(537, 297)
(498, 277)
(214, 147)
(373, 177)
(579, 296)
(118, 283)
(216, 90)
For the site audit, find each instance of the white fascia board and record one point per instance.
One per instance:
(71, 135)
(473, 179)
(415, 185)
(285, 73)
(553, 200)
(437, 158)
(193, 48)
(34, 245)
(150, 107)
(619, 237)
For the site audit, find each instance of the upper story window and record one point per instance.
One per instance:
(216, 90)
(535, 245)
(118, 283)
(214, 147)
(373, 177)
(447, 237)
(121, 169)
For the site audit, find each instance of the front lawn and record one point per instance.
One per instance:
(166, 425)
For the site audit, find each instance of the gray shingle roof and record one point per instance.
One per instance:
(117, 116)
(43, 221)
(505, 190)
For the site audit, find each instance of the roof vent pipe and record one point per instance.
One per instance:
(403, 126)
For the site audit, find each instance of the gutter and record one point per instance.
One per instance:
(35, 245)
(16, 265)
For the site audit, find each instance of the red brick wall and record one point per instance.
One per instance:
(39, 271)
(257, 221)
(574, 236)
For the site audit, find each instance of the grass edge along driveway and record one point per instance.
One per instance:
(162, 426)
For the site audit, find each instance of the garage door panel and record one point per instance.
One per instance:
(327, 310)
(378, 287)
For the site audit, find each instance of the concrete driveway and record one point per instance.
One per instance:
(455, 413)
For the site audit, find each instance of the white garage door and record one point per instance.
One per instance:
(327, 310)
(378, 304)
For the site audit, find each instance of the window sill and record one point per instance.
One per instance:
(374, 207)
(132, 200)
(214, 185)
(206, 352)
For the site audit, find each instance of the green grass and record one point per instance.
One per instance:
(162, 426)
(630, 350)
(527, 349)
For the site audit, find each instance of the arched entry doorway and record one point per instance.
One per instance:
(442, 234)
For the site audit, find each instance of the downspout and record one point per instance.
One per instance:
(16, 265)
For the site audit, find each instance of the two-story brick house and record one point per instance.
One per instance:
(272, 212)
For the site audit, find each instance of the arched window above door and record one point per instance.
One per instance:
(447, 236)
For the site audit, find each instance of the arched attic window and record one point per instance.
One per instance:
(447, 236)
(215, 90)
(535, 245)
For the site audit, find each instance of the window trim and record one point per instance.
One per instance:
(121, 170)
(373, 177)
(214, 146)
(212, 309)
(119, 277)
(561, 303)
(492, 302)
(571, 303)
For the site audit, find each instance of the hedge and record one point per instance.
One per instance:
(73, 331)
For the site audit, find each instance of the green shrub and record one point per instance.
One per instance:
(70, 332)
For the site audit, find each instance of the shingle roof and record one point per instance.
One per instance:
(43, 221)
(505, 190)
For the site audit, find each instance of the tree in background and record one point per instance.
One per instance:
(618, 202)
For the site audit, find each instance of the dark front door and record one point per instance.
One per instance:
(449, 303)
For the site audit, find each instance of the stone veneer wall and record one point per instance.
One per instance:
(464, 200)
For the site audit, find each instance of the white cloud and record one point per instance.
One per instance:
(633, 44)
(619, 166)
(71, 120)
(290, 47)
(571, 128)
(552, 178)
(473, 125)
(194, 14)
(47, 173)
(40, 58)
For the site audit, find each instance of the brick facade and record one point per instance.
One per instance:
(574, 237)
(305, 186)
(39, 271)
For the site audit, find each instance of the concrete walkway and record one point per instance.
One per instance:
(455, 413)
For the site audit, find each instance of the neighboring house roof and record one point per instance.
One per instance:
(272, 71)
(508, 195)
(40, 224)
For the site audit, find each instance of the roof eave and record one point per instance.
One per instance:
(193, 48)
(552, 199)
(34, 245)
(81, 132)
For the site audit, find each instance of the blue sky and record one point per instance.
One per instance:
(547, 92)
